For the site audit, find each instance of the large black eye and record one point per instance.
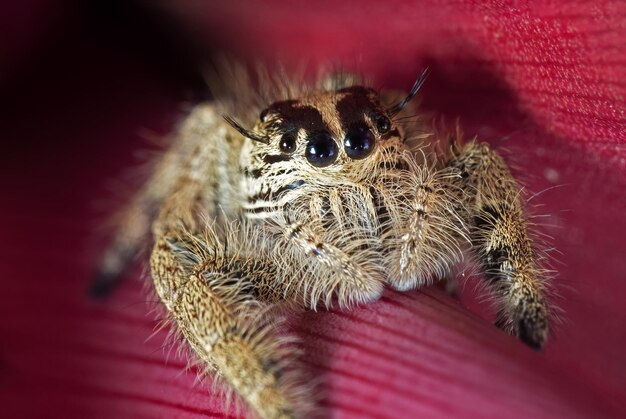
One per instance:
(263, 115)
(359, 142)
(321, 150)
(287, 143)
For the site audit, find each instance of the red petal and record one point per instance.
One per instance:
(550, 79)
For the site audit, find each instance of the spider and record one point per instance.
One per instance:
(327, 197)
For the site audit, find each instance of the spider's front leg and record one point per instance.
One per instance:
(501, 242)
(212, 296)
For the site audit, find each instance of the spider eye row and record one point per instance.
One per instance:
(321, 150)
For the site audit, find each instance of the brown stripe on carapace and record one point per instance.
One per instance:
(266, 195)
(258, 172)
(356, 102)
(295, 115)
(258, 210)
(276, 158)
(254, 173)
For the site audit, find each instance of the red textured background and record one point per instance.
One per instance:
(82, 84)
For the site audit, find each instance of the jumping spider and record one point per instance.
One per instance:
(325, 199)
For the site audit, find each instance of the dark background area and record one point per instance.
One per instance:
(84, 59)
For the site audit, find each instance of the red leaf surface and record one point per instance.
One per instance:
(543, 82)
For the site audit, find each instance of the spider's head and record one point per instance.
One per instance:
(327, 131)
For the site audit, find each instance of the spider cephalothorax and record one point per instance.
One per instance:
(338, 159)
(327, 197)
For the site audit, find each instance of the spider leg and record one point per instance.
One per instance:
(213, 299)
(201, 152)
(132, 232)
(207, 274)
(501, 243)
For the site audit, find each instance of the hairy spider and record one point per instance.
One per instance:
(326, 198)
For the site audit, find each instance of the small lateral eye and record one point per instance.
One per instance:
(321, 150)
(263, 115)
(287, 143)
(382, 123)
(359, 142)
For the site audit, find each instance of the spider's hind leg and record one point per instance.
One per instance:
(501, 243)
(131, 233)
(195, 169)
(134, 225)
